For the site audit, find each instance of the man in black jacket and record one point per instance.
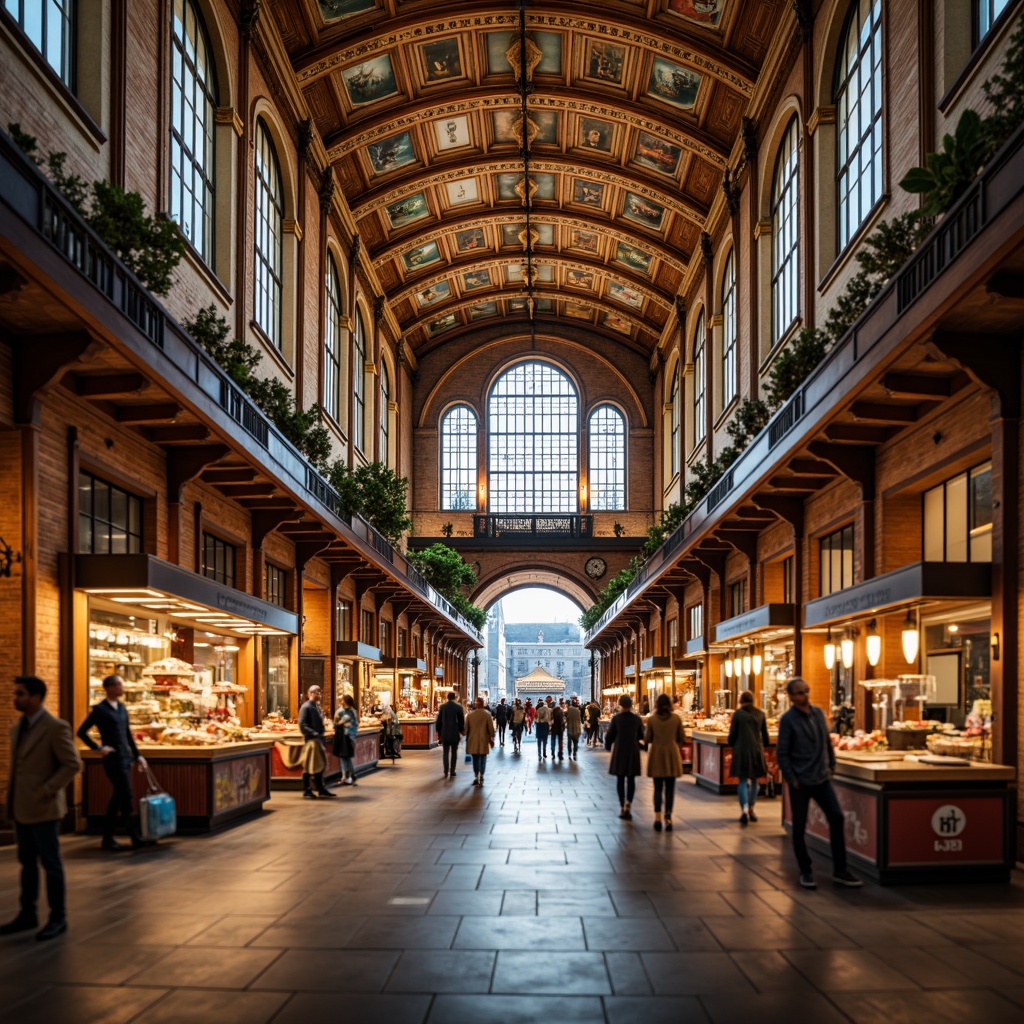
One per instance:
(450, 726)
(117, 745)
(558, 730)
(501, 716)
(314, 749)
(806, 760)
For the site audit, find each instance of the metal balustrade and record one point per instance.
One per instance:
(512, 525)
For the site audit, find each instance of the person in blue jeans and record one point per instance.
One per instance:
(806, 760)
(479, 738)
(346, 719)
(543, 723)
(748, 736)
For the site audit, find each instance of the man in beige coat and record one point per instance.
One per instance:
(479, 738)
(43, 761)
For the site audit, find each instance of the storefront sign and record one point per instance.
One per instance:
(768, 616)
(238, 782)
(943, 829)
(709, 764)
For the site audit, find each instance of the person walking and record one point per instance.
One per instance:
(392, 731)
(558, 730)
(573, 728)
(623, 740)
(479, 739)
(501, 715)
(450, 727)
(748, 736)
(664, 735)
(314, 751)
(43, 763)
(346, 728)
(806, 760)
(593, 723)
(531, 714)
(518, 722)
(117, 745)
(543, 721)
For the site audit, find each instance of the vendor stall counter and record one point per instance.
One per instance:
(286, 757)
(418, 732)
(908, 821)
(712, 761)
(212, 784)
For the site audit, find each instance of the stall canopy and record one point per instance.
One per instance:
(144, 581)
(540, 681)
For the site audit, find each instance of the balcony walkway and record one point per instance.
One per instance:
(416, 898)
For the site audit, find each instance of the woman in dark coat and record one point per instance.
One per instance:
(623, 739)
(748, 736)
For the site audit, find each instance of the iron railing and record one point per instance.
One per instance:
(516, 526)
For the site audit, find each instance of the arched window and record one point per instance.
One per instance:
(607, 462)
(729, 331)
(673, 401)
(332, 342)
(359, 383)
(458, 459)
(699, 381)
(50, 27)
(268, 248)
(533, 426)
(385, 401)
(858, 100)
(785, 235)
(193, 100)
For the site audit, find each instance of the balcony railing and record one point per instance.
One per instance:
(995, 189)
(27, 193)
(518, 526)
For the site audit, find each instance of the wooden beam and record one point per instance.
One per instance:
(184, 434)
(996, 364)
(913, 385)
(743, 541)
(1006, 285)
(253, 490)
(39, 360)
(883, 413)
(795, 483)
(156, 412)
(185, 464)
(265, 521)
(811, 467)
(107, 385)
(267, 503)
(229, 475)
(855, 463)
(856, 433)
(788, 508)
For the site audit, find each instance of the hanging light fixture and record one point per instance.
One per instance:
(910, 639)
(728, 668)
(746, 664)
(830, 652)
(874, 645)
(846, 650)
(756, 664)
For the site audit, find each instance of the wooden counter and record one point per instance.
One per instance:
(712, 761)
(909, 822)
(418, 733)
(211, 785)
(286, 746)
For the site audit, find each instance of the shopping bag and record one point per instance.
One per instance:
(157, 814)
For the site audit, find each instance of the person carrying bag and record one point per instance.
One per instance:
(346, 726)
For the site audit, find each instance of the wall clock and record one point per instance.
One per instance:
(596, 567)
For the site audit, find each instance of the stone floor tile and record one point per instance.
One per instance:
(770, 971)
(305, 1007)
(193, 967)
(659, 1010)
(685, 974)
(467, 903)
(443, 970)
(226, 1007)
(849, 970)
(951, 1006)
(305, 970)
(756, 933)
(97, 1004)
(557, 974)
(515, 1009)
(776, 1008)
(635, 934)
(560, 933)
(432, 932)
(627, 974)
(234, 930)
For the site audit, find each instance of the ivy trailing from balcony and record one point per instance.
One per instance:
(376, 493)
(150, 247)
(448, 573)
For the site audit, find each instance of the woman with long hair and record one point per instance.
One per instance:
(623, 740)
(748, 736)
(346, 726)
(664, 736)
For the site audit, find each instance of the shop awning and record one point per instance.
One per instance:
(764, 623)
(662, 663)
(696, 647)
(412, 665)
(356, 650)
(914, 584)
(145, 581)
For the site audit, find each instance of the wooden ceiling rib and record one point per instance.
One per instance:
(633, 108)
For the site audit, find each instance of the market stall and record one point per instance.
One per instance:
(712, 760)
(286, 754)
(211, 785)
(910, 821)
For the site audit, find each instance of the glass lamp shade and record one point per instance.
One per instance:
(728, 668)
(830, 655)
(910, 641)
(746, 664)
(846, 651)
(756, 664)
(874, 645)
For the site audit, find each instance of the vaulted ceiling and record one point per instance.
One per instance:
(632, 109)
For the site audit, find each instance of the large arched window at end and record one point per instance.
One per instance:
(359, 383)
(269, 223)
(674, 410)
(785, 235)
(193, 101)
(607, 461)
(858, 100)
(332, 342)
(384, 455)
(729, 383)
(458, 459)
(533, 441)
(699, 382)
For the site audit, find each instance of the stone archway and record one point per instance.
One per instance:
(493, 588)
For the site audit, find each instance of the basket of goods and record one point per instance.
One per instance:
(955, 746)
(860, 740)
(909, 735)
(170, 674)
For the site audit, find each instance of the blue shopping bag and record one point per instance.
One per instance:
(158, 816)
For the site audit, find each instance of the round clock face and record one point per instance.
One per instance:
(596, 567)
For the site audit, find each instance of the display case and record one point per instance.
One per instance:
(712, 761)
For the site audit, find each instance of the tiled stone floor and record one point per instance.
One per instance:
(415, 899)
